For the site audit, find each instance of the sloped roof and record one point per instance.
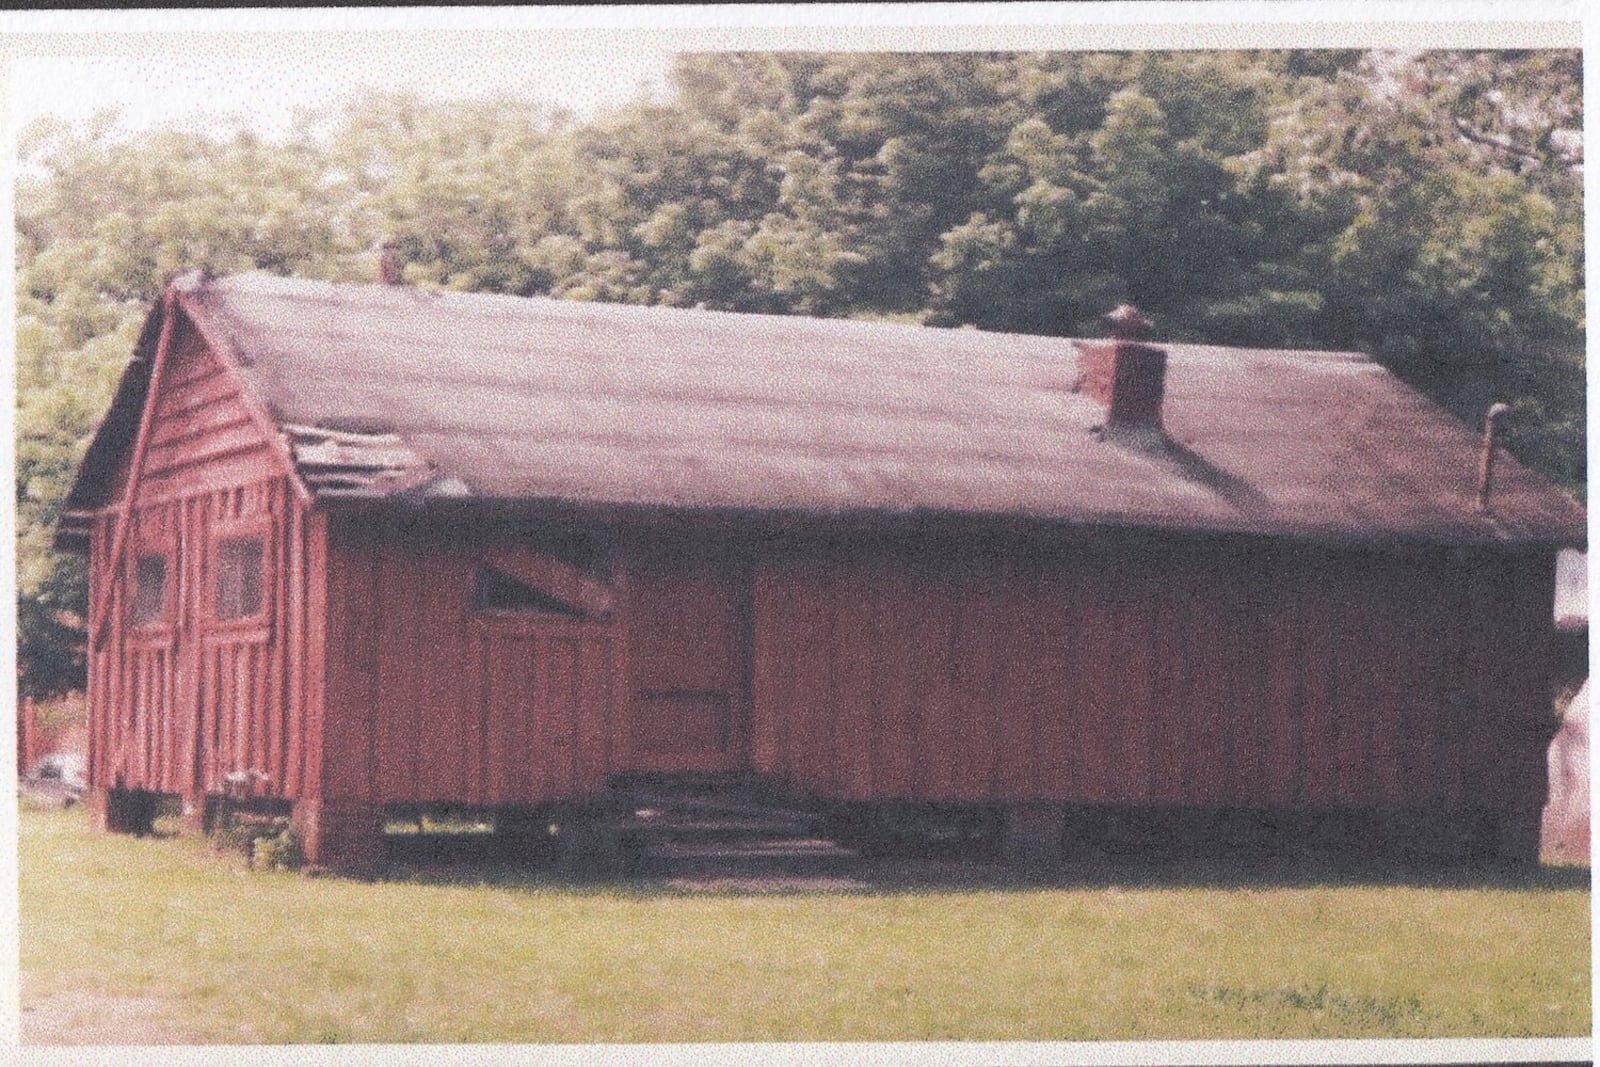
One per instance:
(506, 398)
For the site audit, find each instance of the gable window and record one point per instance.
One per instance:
(238, 584)
(149, 590)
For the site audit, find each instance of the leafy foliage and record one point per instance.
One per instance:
(1425, 207)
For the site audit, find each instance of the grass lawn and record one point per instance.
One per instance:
(163, 940)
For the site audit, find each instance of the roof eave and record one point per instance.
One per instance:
(72, 532)
(801, 520)
(120, 422)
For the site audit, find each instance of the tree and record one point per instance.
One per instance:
(1458, 263)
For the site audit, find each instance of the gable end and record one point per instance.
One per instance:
(206, 429)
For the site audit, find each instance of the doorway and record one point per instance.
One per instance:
(689, 652)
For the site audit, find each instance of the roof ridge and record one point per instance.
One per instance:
(295, 288)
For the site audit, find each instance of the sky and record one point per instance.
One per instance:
(262, 65)
(265, 91)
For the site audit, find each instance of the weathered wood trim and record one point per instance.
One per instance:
(141, 442)
(317, 661)
(228, 357)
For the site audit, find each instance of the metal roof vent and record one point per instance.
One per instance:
(1491, 440)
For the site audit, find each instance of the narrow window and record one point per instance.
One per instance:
(495, 591)
(149, 590)
(239, 578)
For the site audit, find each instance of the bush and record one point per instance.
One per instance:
(280, 852)
(267, 843)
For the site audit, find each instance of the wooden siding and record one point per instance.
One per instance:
(178, 707)
(1180, 675)
(427, 700)
(1161, 670)
(687, 626)
(180, 703)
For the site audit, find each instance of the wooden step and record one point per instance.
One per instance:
(764, 847)
(806, 855)
(738, 786)
(718, 824)
(726, 807)
(672, 824)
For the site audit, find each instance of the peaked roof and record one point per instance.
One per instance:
(390, 392)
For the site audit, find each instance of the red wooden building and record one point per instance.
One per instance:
(357, 546)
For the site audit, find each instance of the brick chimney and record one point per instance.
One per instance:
(390, 270)
(1126, 375)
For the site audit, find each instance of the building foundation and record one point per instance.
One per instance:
(1035, 834)
(341, 836)
(124, 811)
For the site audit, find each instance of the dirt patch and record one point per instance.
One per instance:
(82, 1018)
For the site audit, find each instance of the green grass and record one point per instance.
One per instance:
(190, 946)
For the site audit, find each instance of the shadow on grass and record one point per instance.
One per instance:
(483, 859)
(523, 865)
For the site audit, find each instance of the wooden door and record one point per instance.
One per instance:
(235, 700)
(688, 641)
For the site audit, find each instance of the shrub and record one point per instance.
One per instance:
(267, 843)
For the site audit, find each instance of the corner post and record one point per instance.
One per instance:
(341, 836)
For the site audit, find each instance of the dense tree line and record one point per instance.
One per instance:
(1425, 208)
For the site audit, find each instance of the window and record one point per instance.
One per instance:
(495, 591)
(238, 585)
(149, 590)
